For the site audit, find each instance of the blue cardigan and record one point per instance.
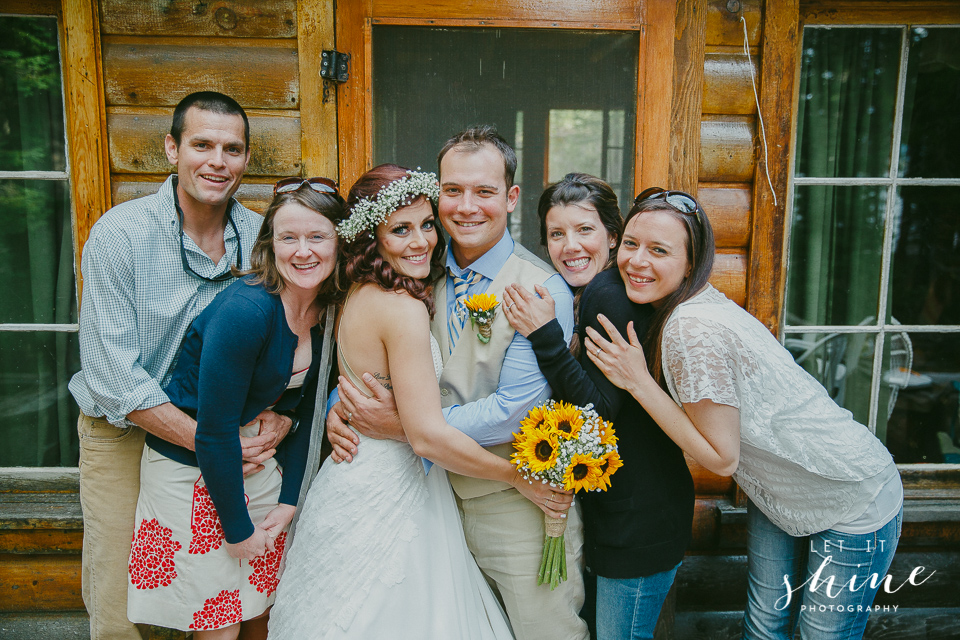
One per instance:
(236, 360)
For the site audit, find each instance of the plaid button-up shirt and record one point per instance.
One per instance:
(138, 301)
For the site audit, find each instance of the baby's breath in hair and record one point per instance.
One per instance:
(370, 212)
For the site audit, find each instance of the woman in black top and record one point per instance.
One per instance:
(636, 532)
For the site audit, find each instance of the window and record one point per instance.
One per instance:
(565, 98)
(872, 304)
(38, 315)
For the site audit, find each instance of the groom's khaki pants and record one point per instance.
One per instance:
(505, 532)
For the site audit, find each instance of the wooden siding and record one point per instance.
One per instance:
(153, 57)
(713, 133)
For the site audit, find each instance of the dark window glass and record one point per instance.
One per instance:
(31, 97)
(836, 246)
(848, 94)
(39, 427)
(931, 120)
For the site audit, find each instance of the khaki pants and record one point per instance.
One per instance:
(504, 532)
(109, 486)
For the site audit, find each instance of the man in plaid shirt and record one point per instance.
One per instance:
(149, 267)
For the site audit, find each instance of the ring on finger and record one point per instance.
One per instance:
(349, 416)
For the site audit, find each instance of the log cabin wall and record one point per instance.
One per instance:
(263, 54)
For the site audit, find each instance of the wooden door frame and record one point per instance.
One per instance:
(654, 19)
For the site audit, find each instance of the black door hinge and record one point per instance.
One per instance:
(335, 66)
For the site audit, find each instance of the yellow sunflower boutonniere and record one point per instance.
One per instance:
(482, 310)
(569, 447)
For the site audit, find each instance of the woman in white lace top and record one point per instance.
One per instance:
(825, 496)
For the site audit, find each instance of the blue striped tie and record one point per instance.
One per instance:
(459, 312)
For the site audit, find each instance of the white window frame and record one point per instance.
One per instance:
(892, 182)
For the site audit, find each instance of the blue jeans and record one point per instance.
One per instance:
(822, 610)
(629, 608)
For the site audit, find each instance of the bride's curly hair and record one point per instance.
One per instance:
(361, 259)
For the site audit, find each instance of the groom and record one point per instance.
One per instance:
(487, 388)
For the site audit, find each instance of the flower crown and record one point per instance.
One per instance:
(370, 212)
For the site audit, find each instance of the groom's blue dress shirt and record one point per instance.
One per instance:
(494, 419)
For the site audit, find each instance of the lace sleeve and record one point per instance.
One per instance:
(700, 361)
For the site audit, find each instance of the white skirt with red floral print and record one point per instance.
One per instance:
(181, 575)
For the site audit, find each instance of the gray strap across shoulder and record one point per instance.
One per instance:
(319, 415)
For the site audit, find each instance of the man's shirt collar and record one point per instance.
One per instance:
(489, 264)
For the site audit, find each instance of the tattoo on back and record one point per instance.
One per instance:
(383, 379)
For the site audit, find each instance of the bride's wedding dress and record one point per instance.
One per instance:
(379, 552)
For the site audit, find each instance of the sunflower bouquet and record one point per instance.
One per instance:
(570, 447)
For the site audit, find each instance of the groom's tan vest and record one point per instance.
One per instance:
(472, 371)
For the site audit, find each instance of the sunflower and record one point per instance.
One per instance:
(607, 437)
(538, 448)
(609, 463)
(480, 302)
(535, 418)
(567, 419)
(583, 472)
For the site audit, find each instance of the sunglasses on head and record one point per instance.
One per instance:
(682, 202)
(320, 185)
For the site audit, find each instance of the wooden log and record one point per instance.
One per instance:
(656, 70)
(728, 208)
(608, 11)
(730, 275)
(86, 125)
(157, 73)
(39, 583)
(46, 541)
(706, 482)
(136, 142)
(724, 27)
(727, 88)
(844, 12)
(726, 148)
(777, 93)
(353, 35)
(686, 107)
(233, 18)
(318, 111)
(254, 196)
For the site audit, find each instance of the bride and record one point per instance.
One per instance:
(379, 549)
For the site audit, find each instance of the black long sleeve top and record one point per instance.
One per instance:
(642, 524)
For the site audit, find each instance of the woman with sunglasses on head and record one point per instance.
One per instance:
(636, 532)
(380, 550)
(207, 549)
(826, 500)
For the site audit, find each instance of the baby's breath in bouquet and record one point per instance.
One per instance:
(570, 447)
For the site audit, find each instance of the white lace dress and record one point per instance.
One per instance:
(804, 461)
(379, 552)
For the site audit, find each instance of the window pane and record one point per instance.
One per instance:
(919, 419)
(36, 253)
(836, 242)
(576, 142)
(925, 273)
(842, 363)
(39, 426)
(429, 83)
(931, 121)
(848, 93)
(31, 99)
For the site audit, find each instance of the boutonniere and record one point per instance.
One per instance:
(482, 309)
